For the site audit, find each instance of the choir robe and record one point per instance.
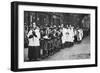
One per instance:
(64, 35)
(80, 34)
(69, 35)
(34, 45)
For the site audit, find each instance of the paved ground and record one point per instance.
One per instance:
(78, 51)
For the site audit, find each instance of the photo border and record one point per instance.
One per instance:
(14, 35)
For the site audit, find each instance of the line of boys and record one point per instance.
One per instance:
(68, 36)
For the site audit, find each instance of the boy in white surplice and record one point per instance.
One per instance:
(34, 43)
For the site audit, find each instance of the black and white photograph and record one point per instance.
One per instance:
(56, 36)
(53, 36)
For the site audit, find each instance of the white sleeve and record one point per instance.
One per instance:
(29, 33)
(82, 33)
(38, 34)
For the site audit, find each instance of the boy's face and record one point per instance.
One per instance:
(34, 25)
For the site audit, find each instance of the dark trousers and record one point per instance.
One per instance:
(33, 52)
